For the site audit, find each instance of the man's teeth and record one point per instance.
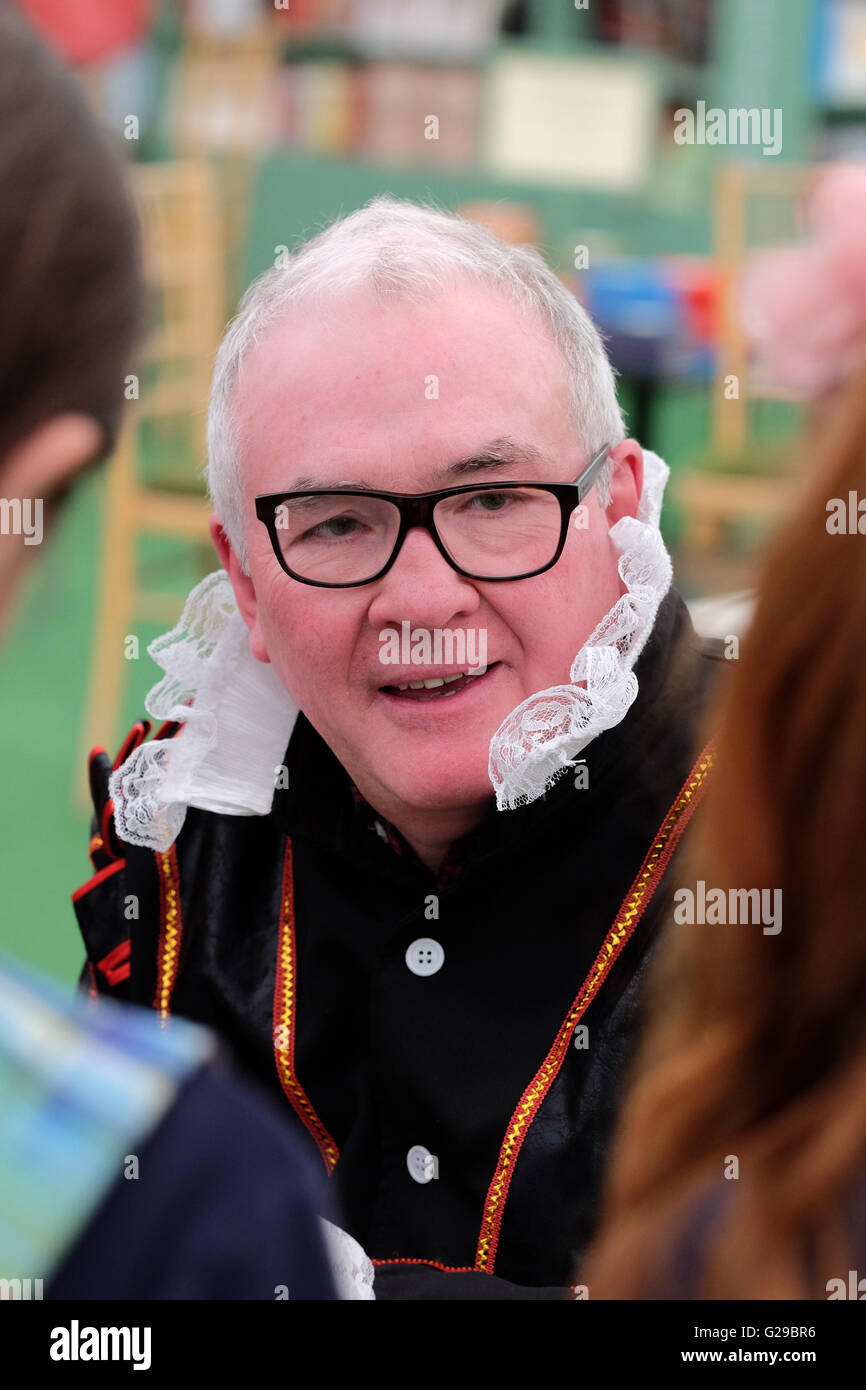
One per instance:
(442, 680)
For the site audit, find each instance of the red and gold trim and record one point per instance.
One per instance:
(633, 907)
(116, 965)
(169, 729)
(136, 736)
(99, 877)
(434, 1264)
(108, 836)
(170, 929)
(285, 1011)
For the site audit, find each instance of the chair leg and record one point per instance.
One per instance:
(114, 613)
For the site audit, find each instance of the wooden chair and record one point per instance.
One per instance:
(194, 216)
(184, 277)
(754, 205)
(221, 107)
(713, 500)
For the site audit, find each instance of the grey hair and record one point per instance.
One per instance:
(404, 251)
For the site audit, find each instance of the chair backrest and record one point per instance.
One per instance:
(153, 484)
(755, 206)
(183, 271)
(221, 107)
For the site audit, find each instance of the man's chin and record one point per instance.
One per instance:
(427, 788)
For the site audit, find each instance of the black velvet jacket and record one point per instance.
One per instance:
(496, 1076)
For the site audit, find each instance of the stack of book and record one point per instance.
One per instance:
(386, 112)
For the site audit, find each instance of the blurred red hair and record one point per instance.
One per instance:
(757, 1043)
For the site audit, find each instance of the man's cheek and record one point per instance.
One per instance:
(299, 655)
(272, 591)
(279, 642)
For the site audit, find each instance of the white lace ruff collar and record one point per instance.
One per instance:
(238, 718)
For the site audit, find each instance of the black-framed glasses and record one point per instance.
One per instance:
(340, 538)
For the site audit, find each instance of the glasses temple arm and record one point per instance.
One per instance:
(587, 478)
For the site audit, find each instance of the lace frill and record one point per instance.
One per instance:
(237, 720)
(543, 736)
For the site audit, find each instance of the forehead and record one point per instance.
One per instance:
(397, 384)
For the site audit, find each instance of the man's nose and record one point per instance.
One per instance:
(422, 586)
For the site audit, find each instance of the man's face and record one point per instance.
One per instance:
(345, 395)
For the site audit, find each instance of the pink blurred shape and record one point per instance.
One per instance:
(804, 307)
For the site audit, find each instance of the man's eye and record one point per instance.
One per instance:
(491, 501)
(335, 528)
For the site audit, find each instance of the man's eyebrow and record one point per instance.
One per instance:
(499, 453)
(308, 483)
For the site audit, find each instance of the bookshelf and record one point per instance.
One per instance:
(755, 52)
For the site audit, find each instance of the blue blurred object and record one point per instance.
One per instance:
(645, 321)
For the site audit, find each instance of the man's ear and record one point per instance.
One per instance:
(626, 483)
(242, 584)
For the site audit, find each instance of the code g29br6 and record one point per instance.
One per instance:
(789, 1331)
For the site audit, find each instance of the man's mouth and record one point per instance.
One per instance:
(436, 687)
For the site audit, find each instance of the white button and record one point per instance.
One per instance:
(380, 830)
(425, 956)
(422, 1164)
